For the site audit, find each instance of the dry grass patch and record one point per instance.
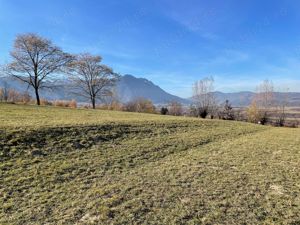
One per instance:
(127, 168)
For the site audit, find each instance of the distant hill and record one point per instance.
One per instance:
(60, 92)
(238, 99)
(242, 99)
(130, 87)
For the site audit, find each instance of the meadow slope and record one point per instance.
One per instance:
(68, 166)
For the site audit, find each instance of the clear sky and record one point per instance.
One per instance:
(172, 43)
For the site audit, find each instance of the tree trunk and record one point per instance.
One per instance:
(36, 85)
(94, 103)
(38, 102)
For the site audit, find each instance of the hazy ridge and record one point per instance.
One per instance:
(130, 87)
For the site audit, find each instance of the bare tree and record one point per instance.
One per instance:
(203, 96)
(281, 106)
(264, 100)
(175, 108)
(90, 78)
(35, 60)
(4, 91)
(265, 95)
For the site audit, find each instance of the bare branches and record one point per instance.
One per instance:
(262, 103)
(90, 78)
(203, 96)
(265, 95)
(35, 60)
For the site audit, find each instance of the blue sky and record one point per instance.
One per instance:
(172, 43)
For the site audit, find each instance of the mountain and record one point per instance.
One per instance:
(238, 99)
(130, 88)
(243, 99)
(59, 92)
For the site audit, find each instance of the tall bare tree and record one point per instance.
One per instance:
(4, 91)
(281, 108)
(265, 95)
(265, 100)
(35, 61)
(203, 96)
(175, 108)
(90, 78)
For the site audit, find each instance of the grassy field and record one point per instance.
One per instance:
(68, 166)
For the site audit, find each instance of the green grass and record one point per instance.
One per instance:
(65, 166)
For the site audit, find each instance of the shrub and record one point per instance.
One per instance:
(198, 111)
(292, 124)
(227, 113)
(64, 103)
(164, 111)
(59, 103)
(240, 115)
(203, 112)
(4, 94)
(254, 115)
(73, 104)
(140, 105)
(114, 105)
(14, 96)
(26, 98)
(264, 118)
(175, 109)
(2, 98)
(44, 101)
(193, 111)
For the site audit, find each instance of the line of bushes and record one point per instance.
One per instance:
(253, 114)
(13, 96)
